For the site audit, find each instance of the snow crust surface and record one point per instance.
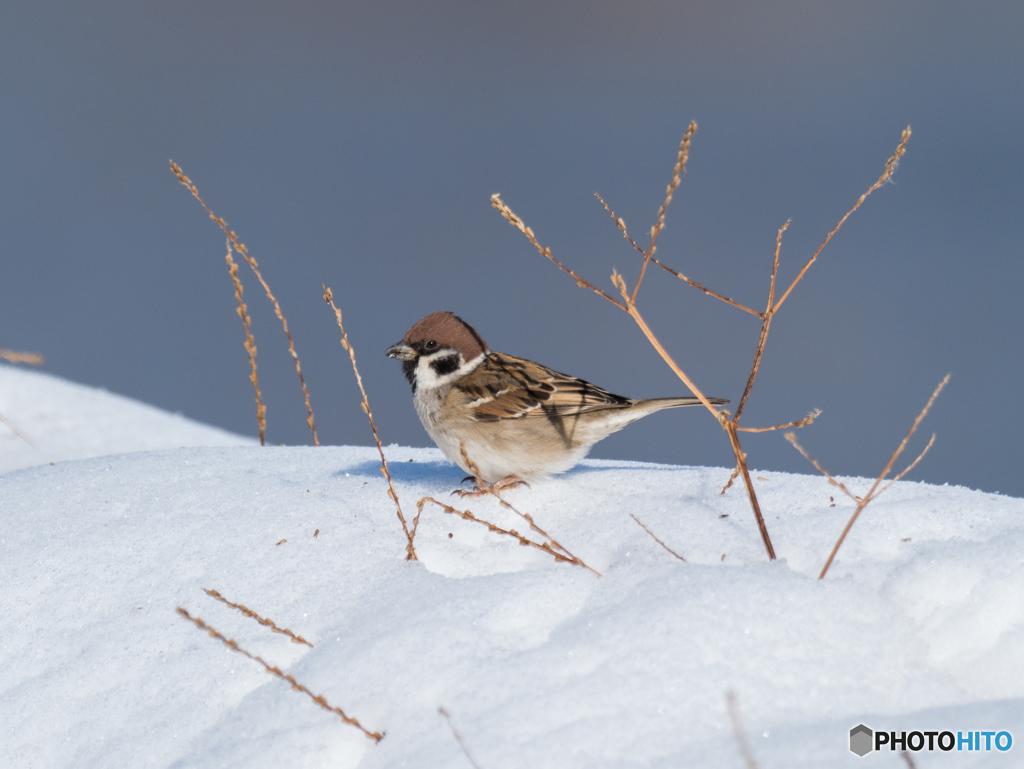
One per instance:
(44, 419)
(919, 624)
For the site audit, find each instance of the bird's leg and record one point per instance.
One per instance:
(481, 489)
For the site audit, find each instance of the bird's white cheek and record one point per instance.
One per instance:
(427, 377)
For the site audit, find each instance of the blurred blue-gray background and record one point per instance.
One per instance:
(358, 144)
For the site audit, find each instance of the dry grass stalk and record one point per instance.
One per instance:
(458, 737)
(729, 423)
(317, 698)
(677, 175)
(16, 431)
(491, 489)
(552, 548)
(266, 621)
(890, 168)
(738, 731)
(241, 249)
(250, 343)
(656, 539)
(410, 550)
(622, 228)
(876, 489)
(909, 761)
(14, 356)
(515, 221)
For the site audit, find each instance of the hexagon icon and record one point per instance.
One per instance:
(861, 740)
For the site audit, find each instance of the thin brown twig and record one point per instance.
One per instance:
(791, 437)
(241, 249)
(733, 477)
(265, 621)
(250, 343)
(547, 547)
(890, 168)
(490, 489)
(317, 698)
(634, 313)
(909, 761)
(639, 523)
(410, 550)
(741, 463)
(15, 356)
(16, 431)
(458, 737)
(544, 251)
(677, 175)
(738, 732)
(809, 419)
(766, 324)
(875, 491)
(621, 224)
(911, 466)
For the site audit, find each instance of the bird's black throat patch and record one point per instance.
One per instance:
(409, 369)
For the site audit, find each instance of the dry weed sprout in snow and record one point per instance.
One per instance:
(875, 491)
(250, 342)
(266, 621)
(241, 249)
(655, 538)
(317, 698)
(729, 422)
(15, 356)
(32, 359)
(458, 738)
(738, 730)
(410, 550)
(550, 546)
(13, 428)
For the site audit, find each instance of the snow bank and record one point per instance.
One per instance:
(60, 420)
(920, 623)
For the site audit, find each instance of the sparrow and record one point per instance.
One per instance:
(504, 419)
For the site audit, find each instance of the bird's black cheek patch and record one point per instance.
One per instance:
(446, 365)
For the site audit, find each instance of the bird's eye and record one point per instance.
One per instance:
(431, 345)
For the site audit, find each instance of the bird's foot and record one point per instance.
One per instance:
(481, 489)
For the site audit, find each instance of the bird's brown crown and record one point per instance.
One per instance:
(448, 330)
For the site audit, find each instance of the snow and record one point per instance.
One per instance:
(919, 624)
(46, 419)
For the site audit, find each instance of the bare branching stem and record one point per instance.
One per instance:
(890, 168)
(244, 252)
(410, 550)
(622, 228)
(274, 670)
(876, 489)
(730, 423)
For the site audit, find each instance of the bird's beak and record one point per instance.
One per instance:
(401, 351)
